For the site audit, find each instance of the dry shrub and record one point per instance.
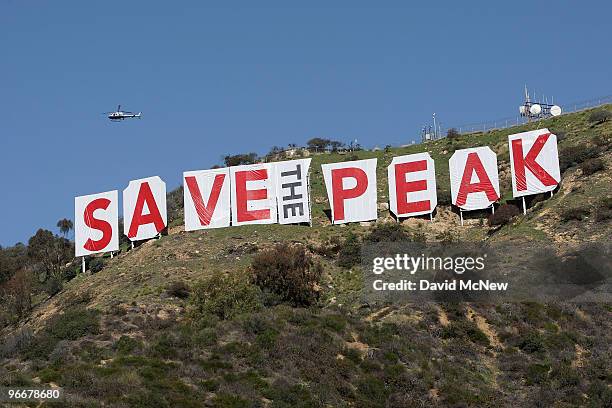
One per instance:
(600, 116)
(15, 295)
(591, 166)
(452, 133)
(178, 289)
(503, 214)
(573, 155)
(603, 210)
(574, 213)
(288, 272)
(388, 232)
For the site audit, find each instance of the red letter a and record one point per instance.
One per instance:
(145, 195)
(473, 164)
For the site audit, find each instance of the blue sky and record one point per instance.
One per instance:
(216, 80)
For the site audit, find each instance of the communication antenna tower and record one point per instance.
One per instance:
(538, 110)
(431, 132)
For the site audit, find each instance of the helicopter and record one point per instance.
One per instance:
(121, 115)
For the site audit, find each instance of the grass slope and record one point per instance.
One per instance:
(118, 338)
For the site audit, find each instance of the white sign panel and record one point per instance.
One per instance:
(474, 178)
(534, 161)
(412, 185)
(206, 197)
(292, 194)
(144, 208)
(351, 189)
(96, 223)
(253, 191)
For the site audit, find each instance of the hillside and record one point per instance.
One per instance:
(135, 334)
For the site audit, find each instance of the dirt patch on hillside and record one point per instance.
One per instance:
(442, 317)
(484, 327)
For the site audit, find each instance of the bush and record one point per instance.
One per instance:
(574, 155)
(224, 296)
(565, 376)
(387, 232)
(223, 400)
(602, 141)
(289, 272)
(503, 214)
(465, 329)
(350, 252)
(574, 213)
(452, 133)
(178, 289)
(531, 343)
(126, 345)
(591, 166)
(96, 264)
(603, 211)
(372, 389)
(600, 116)
(70, 272)
(53, 286)
(74, 323)
(537, 374)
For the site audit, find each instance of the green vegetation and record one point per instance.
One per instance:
(269, 315)
(224, 297)
(73, 324)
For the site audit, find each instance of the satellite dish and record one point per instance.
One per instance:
(535, 109)
(522, 110)
(555, 110)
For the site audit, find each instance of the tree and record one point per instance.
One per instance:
(12, 259)
(65, 226)
(275, 153)
(335, 145)
(240, 159)
(16, 296)
(318, 144)
(49, 252)
(452, 133)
